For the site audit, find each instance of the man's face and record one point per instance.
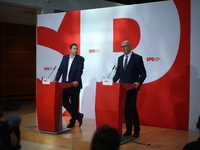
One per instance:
(74, 50)
(126, 47)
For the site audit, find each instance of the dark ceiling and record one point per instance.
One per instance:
(19, 14)
(134, 1)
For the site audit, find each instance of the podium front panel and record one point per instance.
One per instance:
(49, 104)
(109, 105)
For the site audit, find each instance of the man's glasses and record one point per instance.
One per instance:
(124, 46)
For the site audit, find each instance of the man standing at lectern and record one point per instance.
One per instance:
(71, 69)
(130, 69)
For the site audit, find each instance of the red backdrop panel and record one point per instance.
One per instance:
(165, 102)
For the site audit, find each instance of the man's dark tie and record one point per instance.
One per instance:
(126, 63)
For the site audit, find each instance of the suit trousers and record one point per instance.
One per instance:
(70, 102)
(130, 111)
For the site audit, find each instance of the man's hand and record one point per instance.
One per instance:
(75, 83)
(137, 84)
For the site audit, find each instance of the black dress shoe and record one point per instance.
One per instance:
(136, 134)
(80, 119)
(71, 125)
(127, 133)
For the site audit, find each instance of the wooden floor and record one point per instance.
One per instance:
(79, 138)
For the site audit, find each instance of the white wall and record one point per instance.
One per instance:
(195, 65)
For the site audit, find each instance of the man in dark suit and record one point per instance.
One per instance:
(130, 69)
(71, 69)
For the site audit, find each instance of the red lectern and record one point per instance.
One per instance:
(109, 105)
(48, 106)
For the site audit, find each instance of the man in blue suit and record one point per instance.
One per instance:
(130, 69)
(71, 69)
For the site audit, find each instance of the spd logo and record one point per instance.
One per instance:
(48, 68)
(153, 59)
(94, 50)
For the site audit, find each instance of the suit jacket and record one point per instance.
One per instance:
(135, 71)
(75, 71)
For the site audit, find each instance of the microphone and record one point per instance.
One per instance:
(52, 71)
(111, 71)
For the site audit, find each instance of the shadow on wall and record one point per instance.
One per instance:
(88, 101)
(180, 96)
(194, 96)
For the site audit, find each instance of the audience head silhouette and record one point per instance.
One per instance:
(105, 138)
(196, 144)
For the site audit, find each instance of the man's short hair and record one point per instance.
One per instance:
(74, 44)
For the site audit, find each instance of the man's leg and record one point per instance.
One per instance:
(134, 113)
(127, 115)
(130, 112)
(71, 104)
